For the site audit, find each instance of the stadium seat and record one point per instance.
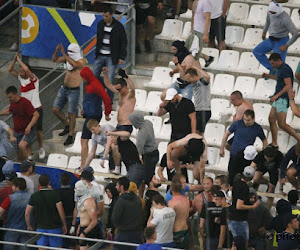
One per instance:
(210, 52)
(152, 102)
(171, 30)
(223, 85)
(248, 63)
(238, 13)
(264, 89)
(258, 143)
(76, 147)
(160, 78)
(212, 78)
(113, 119)
(295, 18)
(213, 134)
(95, 164)
(234, 35)
(253, 37)
(294, 3)
(295, 123)
(228, 60)
(165, 133)
(162, 148)
(57, 160)
(213, 156)
(187, 15)
(186, 31)
(257, 15)
(292, 142)
(74, 162)
(222, 165)
(217, 107)
(292, 61)
(141, 97)
(295, 47)
(157, 122)
(282, 140)
(245, 85)
(289, 116)
(262, 111)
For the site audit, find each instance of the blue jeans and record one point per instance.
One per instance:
(186, 92)
(14, 237)
(266, 46)
(65, 96)
(99, 63)
(239, 228)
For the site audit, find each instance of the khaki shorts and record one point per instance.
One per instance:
(189, 42)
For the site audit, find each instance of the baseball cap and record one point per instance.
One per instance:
(248, 172)
(88, 173)
(8, 171)
(250, 153)
(170, 94)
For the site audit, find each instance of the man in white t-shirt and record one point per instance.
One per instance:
(30, 90)
(163, 218)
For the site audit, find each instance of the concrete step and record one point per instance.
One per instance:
(145, 58)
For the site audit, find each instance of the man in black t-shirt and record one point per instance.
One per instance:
(182, 114)
(268, 160)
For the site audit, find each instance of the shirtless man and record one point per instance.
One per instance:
(204, 197)
(88, 216)
(70, 90)
(181, 206)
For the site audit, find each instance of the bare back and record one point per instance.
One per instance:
(240, 110)
(85, 219)
(126, 107)
(181, 206)
(73, 78)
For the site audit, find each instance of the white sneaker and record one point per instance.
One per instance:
(117, 170)
(14, 47)
(42, 153)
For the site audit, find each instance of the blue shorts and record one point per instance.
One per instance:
(22, 137)
(239, 228)
(281, 105)
(51, 241)
(66, 95)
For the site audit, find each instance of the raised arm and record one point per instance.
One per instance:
(193, 122)
(11, 68)
(75, 64)
(26, 69)
(56, 58)
(107, 82)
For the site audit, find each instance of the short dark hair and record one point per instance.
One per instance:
(215, 189)
(65, 179)
(25, 165)
(237, 94)
(270, 152)
(293, 197)
(223, 179)
(177, 178)
(125, 182)
(275, 57)
(11, 90)
(176, 187)
(108, 8)
(44, 180)
(159, 199)
(149, 232)
(122, 82)
(191, 72)
(20, 183)
(297, 148)
(249, 112)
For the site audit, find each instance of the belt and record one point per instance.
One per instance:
(68, 88)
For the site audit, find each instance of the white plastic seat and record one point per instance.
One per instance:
(210, 52)
(295, 18)
(245, 85)
(234, 34)
(222, 165)
(252, 38)
(257, 15)
(171, 30)
(258, 143)
(292, 61)
(228, 60)
(141, 97)
(282, 140)
(238, 13)
(292, 142)
(95, 164)
(217, 107)
(157, 122)
(153, 101)
(248, 63)
(295, 47)
(295, 123)
(160, 78)
(162, 148)
(57, 160)
(264, 89)
(74, 162)
(113, 119)
(294, 3)
(166, 130)
(76, 147)
(186, 31)
(289, 116)
(213, 134)
(213, 156)
(212, 79)
(187, 15)
(262, 111)
(223, 85)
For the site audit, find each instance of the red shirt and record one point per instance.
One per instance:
(4, 193)
(22, 113)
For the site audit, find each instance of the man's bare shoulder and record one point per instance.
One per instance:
(89, 202)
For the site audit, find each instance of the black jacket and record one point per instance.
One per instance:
(118, 41)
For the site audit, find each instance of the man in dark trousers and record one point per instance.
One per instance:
(127, 216)
(111, 47)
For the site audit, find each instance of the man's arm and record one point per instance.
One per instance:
(91, 155)
(57, 59)
(25, 68)
(293, 30)
(160, 174)
(100, 208)
(284, 163)
(62, 216)
(203, 73)
(27, 217)
(124, 134)
(240, 205)
(75, 213)
(287, 87)
(193, 14)
(206, 27)
(117, 214)
(193, 122)
(266, 27)
(224, 140)
(161, 110)
(202, 223)
(123, 44)
(11, 68)
(222, 236)
(107, 82)
(293, 105)
(75, 64)
(5, 112)
(33, 121)
(149, 224)
(131, 86)
(265, 143)
(225, 7)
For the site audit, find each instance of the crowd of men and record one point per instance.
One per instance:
(228, 211)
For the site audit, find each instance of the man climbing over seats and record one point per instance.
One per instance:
(194, 147)
(280, 100)
(279, 25)
(92, 108)
(69, 92)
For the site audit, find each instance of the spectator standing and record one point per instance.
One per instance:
(280, 100)
(14, 206)
(150, 236)
(127, 215)
(24, 118)
(69, 92)
(288, 239)
(30, 90)
(50, 214)
(34, 177)
(112, 193)
(26, 171)
(293, 198)
(111, 47)
(6, 147)
(279, 25)
(223, 182)
(150, 193)
(6, 185)
(92, 108)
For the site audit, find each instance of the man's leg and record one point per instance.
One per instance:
(273, 125)
(98, 65)
(178, 6)
(23, 151)
(281, 119)
(116, 158)
(149, 32)
(84, 151)
(260, 53)
(221, 33)
(111, 74)
(291, 176)
(60, 115)
(60, 101)
(278, 44)
(199, 171)
(175, 154)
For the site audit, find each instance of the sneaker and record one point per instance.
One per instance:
(78, 170)
(117, 170)
(138, 49)
(176, 16)
(30, 158)
(42, 153)
(147, 46)
(170, 13)
(168, 121)
(65, 131)
(69, 140)
(272, 146)
(209, 61)
(14, 47)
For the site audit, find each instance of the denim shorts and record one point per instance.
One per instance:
(51, 241)
(280, 105)
(239, 228)
(22, 137)
(186, 92)
(65, 96)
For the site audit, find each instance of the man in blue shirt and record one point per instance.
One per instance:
(245, 133)
(288, 239)
(280, 100)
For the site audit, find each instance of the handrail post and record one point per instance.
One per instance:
(31, 240)
(133, 38)
(20, 25)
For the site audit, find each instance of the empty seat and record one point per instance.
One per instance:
(252, 38)
(186, 31)
(76, 147)
(212, 79)
(213, 134)
(258, 143)
(295, 47)
(141, 97)
(162, 148)
(295, 18)
(95, 164)
(187, 15)
(294, 3)
(210, 52)
(234, 34)
(217, 107)
(157, 122)
(166, 130)
(57, 160)
(152, 102)
(113, 119)
(74, 162)
(245, 85)
(223, 85)
(295, 123)
(160, 78)
(213, 156)
(248, 63)
(172, 29)
(264, 89)
(238, 13)
(292, 61)
(222, 165)
(228, 60)
(262, 111)
(282, 140)
(257, 15)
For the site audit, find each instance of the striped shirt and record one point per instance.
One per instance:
(105, 45)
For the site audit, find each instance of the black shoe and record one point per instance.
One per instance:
(209, 61)
(147, 46)
(272, 146)
(168, 121)
(138, 49)
(69, 140)
(65, 131)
